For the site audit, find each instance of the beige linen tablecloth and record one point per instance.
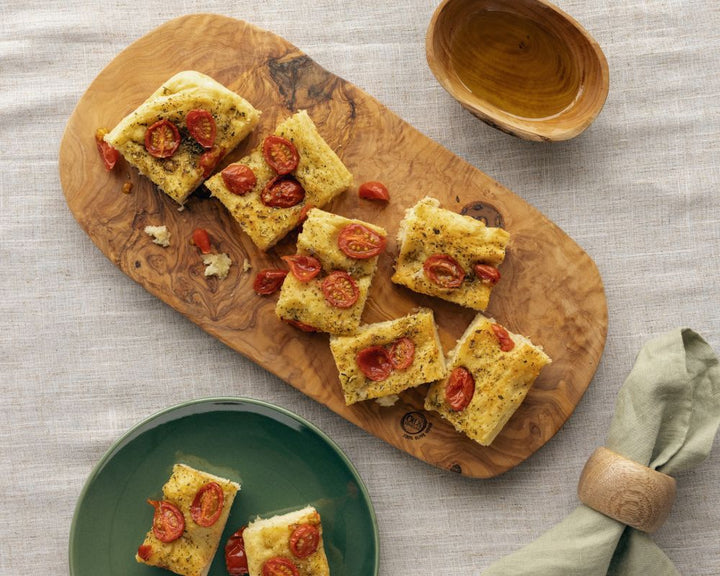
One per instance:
(87, 353)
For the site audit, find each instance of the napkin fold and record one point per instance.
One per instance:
(666, 417)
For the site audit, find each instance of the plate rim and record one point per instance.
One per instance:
(235, 400)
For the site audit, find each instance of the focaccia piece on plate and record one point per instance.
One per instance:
(179, 174)
(385, 358)
(190, 554)
(453, 242)
(323, 237)
(502, 367)
(294, 538)
(319, 171)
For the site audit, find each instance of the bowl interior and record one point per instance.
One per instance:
(523, 66)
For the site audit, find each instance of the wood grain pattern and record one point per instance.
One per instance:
(550, 291)
(626, 491)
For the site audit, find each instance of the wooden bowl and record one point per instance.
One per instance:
(522, 66)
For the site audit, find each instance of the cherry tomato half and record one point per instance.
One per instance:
(374, 362)
(282, 192)
(239, 179)
(487, 274)
(402, 353)
(168, 522)
(201, 239)
(304, 268)
(162, 139)
(506, 343)
(280, 154)
(460, 389)
(235, 558)
(300, 325)
(201, 125)
(374, 191)
(208, 160)
(108, 154)
(340, 289)
(207, 504)
(269, 281)
(304, 540)
(279, 566)
(359, 242)
(444, 271)
(144, 551)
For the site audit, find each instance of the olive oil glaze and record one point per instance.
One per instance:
(515, 64)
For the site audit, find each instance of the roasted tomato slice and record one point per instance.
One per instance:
(487, 274)
(506, 343)
(239, 179)
(279, 566)
(201, 239)
(374, 362)
(235, 558)
(304, 540)
(374, 191)
(201, 125)
(340, 289)
(304, 268)
(207, 504)
(145, 551)
(402, 353)
(162, 139)
(168, 522)
(359, 242)
(269, 281)
(460, 389)
(282, 192)
(444, 271)
(280, 154)
(108, 154)
(300, 325)
(208, 160)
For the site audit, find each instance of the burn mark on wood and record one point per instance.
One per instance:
(486, 213)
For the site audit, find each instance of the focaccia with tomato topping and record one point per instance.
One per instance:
(295, 537)
(503, 367)
(386, 358)
(179, 174)
(319, 172)
(192, 552)
(307, 303)
(457, 243)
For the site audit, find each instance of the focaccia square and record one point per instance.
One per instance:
(191, 554)
(293, 539)
(306, 302)
(181, 173)
(319, 171)
(503, 367)
(398, 369)
(428, 232)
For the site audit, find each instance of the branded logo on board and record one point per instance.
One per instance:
(415, 425)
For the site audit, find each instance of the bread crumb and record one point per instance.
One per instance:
(159, 234)
(217, 265)
(387, 401)
(246, 265)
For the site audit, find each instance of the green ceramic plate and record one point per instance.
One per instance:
(282, 462)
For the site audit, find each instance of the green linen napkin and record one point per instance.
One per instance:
(666, 417)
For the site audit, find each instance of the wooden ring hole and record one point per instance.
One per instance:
(626, 491)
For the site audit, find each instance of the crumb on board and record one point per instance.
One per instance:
(217, 265)
(159, 234)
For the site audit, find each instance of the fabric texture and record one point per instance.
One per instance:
(666, 417)
(86, 353)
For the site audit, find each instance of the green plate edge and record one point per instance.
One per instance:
(164, 417)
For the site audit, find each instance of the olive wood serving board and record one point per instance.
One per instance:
(550, 290)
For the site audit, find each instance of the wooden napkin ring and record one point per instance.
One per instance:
(626, 491)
